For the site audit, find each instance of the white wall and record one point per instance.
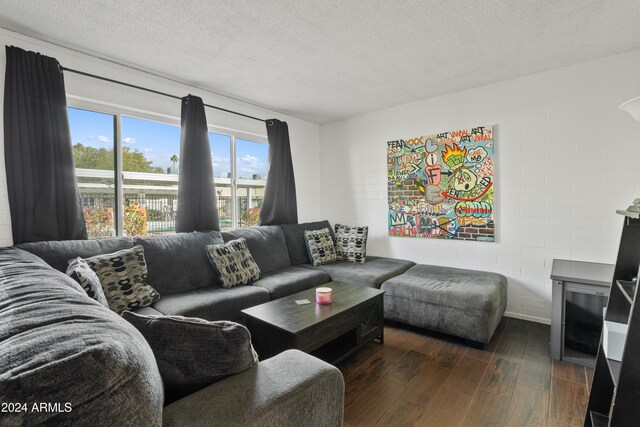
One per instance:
(304, 135)
(566, 159)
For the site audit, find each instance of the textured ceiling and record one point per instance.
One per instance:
(330, 59)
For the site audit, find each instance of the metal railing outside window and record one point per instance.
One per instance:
(156, 212)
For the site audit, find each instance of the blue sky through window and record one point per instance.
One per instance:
(91, 129)
(251, 159)
(159, 141)
(220, 154)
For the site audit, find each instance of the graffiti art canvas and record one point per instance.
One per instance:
(441, 186)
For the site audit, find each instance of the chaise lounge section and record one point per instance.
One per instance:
(465, 303)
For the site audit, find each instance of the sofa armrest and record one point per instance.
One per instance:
(290, 389)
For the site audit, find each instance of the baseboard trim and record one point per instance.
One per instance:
(527, 317)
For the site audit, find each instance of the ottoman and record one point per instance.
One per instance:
(465, 303)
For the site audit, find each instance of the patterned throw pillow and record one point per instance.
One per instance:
(123, 276)
(320, 246)
(193, 353)
(80, 271)
(351, 243)
(234, 263)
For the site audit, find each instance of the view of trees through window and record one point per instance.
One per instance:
(101, 158)
(150, 189)
(150, 163)
(92, 136)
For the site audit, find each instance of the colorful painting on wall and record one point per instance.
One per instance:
(441, 186)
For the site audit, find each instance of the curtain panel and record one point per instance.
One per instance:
(197, 207)
(43, 193)
(280, 205)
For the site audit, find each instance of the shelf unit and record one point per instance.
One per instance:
(615, 393)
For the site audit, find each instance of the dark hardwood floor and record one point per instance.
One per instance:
(422, 378)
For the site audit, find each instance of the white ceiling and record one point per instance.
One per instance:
(330, 59)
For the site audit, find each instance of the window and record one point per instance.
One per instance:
(92, 136)
(146, 152)
(221, 161)
(251, 172)
(240, 171)
(150, 156)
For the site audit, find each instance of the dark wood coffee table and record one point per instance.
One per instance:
(330, 332)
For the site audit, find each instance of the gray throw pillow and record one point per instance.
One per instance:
(320, 246)
(351, 243)
(123, 276)
(296, 243)
(234, 263)
(80, 271)
(193, 353)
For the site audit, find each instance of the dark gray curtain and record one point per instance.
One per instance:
(197, 207)
(279, 205)
(43, 192)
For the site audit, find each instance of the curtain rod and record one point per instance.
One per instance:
(157, 92)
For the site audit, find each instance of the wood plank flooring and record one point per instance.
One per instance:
(420, 378)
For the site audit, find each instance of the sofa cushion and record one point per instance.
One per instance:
(371, 273)
(266, 243)
(58, 253)
(123, 276)
(296, 245)
(80, 271)
(451, 287)
(193, 353)
(57, 345)
(213, 303)
(321, 247)
(351, 243)
(179, 262)
(234, 263)
(290, 280)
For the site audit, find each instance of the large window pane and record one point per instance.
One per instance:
(92, 136)
(150, 159)
(221, 161)
(251, 173)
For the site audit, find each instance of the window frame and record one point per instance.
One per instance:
(118, 111)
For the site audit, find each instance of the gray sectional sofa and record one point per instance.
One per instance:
(91, 367)
(60, 334)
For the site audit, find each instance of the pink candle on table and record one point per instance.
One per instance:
(323, 295)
